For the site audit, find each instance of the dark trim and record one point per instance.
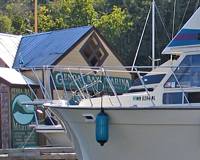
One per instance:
(73, 46)
(22, 85)
(51, 84)
(140, 90)
(5, 82)
(17, 53)
(53, 129)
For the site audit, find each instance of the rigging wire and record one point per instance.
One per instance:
(174, 15)
(164, 26)
(188, 3)
(197, 5)
(136, 54)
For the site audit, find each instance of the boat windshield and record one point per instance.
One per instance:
(187, 74)
(149, 79)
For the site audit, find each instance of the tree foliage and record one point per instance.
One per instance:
(120, 21)
(5, 24)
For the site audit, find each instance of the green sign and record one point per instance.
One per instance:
(22, 116)
(93, 83)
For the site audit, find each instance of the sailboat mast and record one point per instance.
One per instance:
(35, 17)
(153, 34)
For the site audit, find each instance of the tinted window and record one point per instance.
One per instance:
(172, 98)
(187, 73)
(149, 79)
(140, 90)
(177, 97)
(193, 97)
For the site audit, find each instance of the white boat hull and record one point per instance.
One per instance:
(136, 134)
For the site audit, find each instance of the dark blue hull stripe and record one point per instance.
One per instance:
(186, 37)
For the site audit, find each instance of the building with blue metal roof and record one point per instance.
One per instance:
(74, 46)
(47, 47)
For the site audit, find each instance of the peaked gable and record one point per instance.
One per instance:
(45, 48)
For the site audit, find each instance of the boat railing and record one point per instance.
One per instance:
(80, 82)
(85, 82)
(83, 86)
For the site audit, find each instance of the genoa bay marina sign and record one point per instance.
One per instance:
(93, 82)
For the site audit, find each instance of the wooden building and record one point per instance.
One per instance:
(13, 88)
(81, 46)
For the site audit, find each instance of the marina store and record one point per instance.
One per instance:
(81, 46)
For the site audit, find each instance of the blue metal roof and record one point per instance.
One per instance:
(46, 48)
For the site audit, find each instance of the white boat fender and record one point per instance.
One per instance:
(102, 128)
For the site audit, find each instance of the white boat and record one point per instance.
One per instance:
(158, 119)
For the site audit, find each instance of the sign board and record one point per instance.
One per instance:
(92, 82)
(22, 116)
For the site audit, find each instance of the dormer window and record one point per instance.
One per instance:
(93, 51)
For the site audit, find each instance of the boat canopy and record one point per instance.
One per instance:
(187, 40)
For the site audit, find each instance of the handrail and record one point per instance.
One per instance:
(87, 87)
(181, 88)
(76, 84)
(143, 84)
(54, 85)
(43, 89)
(31, 89)
(63, 84)
(98, 68)
(112, 87)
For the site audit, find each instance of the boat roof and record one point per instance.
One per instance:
(187, 40)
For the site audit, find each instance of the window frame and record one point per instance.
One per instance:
(94, 55)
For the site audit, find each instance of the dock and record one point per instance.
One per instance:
(38, 153)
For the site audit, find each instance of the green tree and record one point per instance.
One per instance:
(20, 12)
(113, 24)
(111, 21)
(5, 24)
(120, 21)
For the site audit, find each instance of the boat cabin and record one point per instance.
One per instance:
(170, 84)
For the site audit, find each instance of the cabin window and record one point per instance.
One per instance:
(140, 90)
(149, 79)
(172, 98)
(187, 74)
(93, 51)
(198, 36)
(177, 97)
(193, 97)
